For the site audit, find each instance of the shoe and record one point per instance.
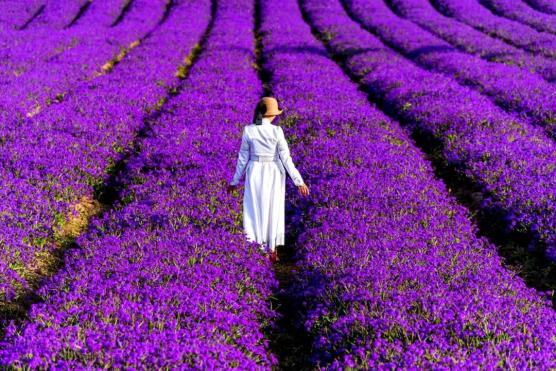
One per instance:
(273, 256)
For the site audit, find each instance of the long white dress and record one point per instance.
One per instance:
(264, 155)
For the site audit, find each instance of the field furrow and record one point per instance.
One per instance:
(122, 11)
(82, 10)
(106, 13)
(37, 45)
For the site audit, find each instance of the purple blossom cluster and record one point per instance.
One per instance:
(520, 12)
(511, 87)
(546, 6)
(472, 13)
(60, 156)
(166, 279)
(509, 161)
(472, 41)
(391, 272)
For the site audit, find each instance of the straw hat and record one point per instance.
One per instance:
(271, 106)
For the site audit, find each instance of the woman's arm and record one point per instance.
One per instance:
(284, 152)
(242, 158)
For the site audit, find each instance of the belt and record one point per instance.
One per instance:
(264, 158)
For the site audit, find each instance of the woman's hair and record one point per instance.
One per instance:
(260, 110)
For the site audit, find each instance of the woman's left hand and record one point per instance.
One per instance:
(303, 189)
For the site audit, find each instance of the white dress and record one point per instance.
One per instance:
(264, 156)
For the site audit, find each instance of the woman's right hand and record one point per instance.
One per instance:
(303, 189)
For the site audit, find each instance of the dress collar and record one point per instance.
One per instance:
(266, 120)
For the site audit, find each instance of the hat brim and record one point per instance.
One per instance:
(279, 112)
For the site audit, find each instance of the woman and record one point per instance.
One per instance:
(265, 156)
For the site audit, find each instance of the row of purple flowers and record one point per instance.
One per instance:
(391, 272)
(545, 6)
(65, 153)
(167, 279)
(514, 89)
(15, 14)
(41, 65)
(522, 13)
(58, 14)
(510, 162)
(472, 41)
(471, 12)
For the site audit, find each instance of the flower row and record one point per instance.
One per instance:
(522, 13)
(511, 87)
(391, 271)
(166, 279)
(474, 14)
(472, 41)
(15, 14)
(40, 67)
(510, 162)
(545, 6)
(64, 154)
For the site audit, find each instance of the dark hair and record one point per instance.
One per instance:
(260, 110)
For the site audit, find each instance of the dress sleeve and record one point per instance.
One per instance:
(284, 152)
(242, 158)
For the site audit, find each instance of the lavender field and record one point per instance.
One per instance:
(426, 130)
